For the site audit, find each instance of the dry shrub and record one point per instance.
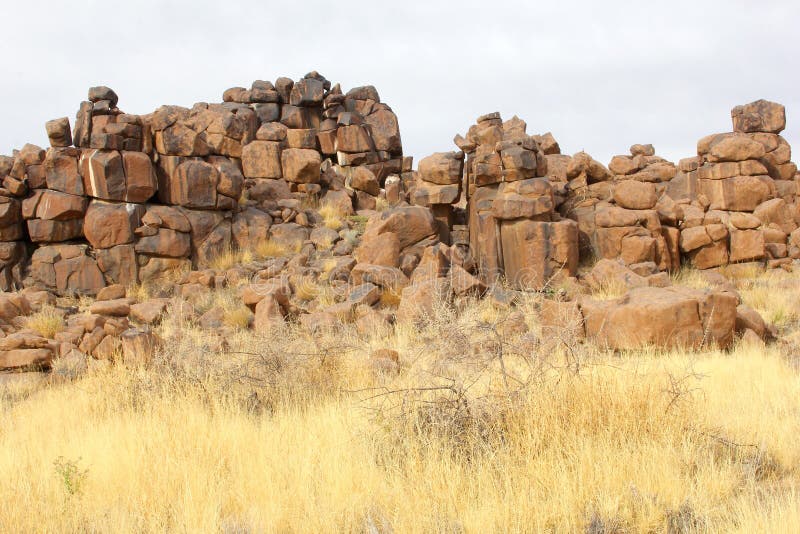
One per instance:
(269, 248)
(390, 297)
(332, 215)
(47, 322)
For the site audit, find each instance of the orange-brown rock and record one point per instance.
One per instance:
(759, 116)
(663, 318)
(442, 168)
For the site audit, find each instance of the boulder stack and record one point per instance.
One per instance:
(739, 193)
(514, 228)
(122, 198)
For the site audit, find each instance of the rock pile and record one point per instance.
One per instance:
(739, 194)
(143, 197)
(514, 228)
(621, 210)
(319, 175)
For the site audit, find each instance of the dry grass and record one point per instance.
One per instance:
(231, 257)
(477, 432)
(332, 216)
(610, 290)
(236, 314)
(269, 248)
(774, 295)
(47, 322)
(390, 297)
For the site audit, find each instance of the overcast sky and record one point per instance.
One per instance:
(599, 75)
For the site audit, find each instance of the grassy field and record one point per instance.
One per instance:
(482, 427)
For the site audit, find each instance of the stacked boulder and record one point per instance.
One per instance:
(13, 251)
(437, 185)
(124, 198)
(634, 223)
(739, 193)
(514, 228)
(619, 209)
(307, 127)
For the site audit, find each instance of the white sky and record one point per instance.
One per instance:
(599, 75)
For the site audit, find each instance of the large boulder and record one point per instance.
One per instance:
(67, 269)
(759, 116)
(666, 318)
(635, 195)
(262, 159)
(734, 147)
(121, 176)
(442, 168)
(301, 165)
(410, 224)
(108, 224)
(534, 252)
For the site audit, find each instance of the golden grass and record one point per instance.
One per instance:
(610, 290)
(230, 257)
(269, 248)
(128, 452)
(774, 295)
(236, 314)
(140, 292)
(306, 436)
(390, 297)
(332, 215)
(47, 322)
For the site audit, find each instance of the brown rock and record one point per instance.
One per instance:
(109, 224)
(107, 349)
(139, 346)
(61, 170)
(354, 139)
(534, 252)
(301, 165)
(112, 292)
(410, 224)
(268, 315)
(426, 194)
(118, 264)
(746, 245)
(663, 318)
(362, 179)
(262, 159)
(165, 242)
(464, 284)
(734, 147)
(194, 185)
(385, 131)
(562, 320)
(759, 116)
(635, 195)
(442, 168)
(47, 231)
(116, 307)
(148, 312)
(58, 132)
(21, 359)
(739, 193)
(420, 301)
(140, 177)
(54, 205)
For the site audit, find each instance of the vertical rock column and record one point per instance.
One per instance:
(515, 231)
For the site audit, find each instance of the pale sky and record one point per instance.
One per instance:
(599, 75)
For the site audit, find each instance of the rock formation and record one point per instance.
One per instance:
(319, 174)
